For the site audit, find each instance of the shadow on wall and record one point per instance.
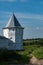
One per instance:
(7, 43)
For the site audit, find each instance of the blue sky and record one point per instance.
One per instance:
(28, 12)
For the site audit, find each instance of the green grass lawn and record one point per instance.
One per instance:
(38, 53)
(23, 56)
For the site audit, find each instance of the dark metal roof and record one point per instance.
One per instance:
(13, 22)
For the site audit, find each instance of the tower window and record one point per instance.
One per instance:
(11, 38)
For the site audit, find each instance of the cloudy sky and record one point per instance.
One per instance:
(28, 12)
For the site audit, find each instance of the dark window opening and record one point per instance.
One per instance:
(10, 37)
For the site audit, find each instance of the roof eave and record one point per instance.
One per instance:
(13, 27)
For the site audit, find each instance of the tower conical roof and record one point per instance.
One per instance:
(13, 22)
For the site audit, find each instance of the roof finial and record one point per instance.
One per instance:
(13, 13)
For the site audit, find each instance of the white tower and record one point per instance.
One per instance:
(14, 32)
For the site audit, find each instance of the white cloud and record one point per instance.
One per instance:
(13, 0)
(29, 16)
(41, 2)
(23, 0)
(23, 15)
(9, 0)
(37, 28)
(5, 14)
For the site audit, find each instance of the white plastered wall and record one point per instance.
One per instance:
(5, 32)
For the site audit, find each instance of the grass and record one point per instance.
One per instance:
(38, 53)
(35, 47)
(32, 46)
(36, 50)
